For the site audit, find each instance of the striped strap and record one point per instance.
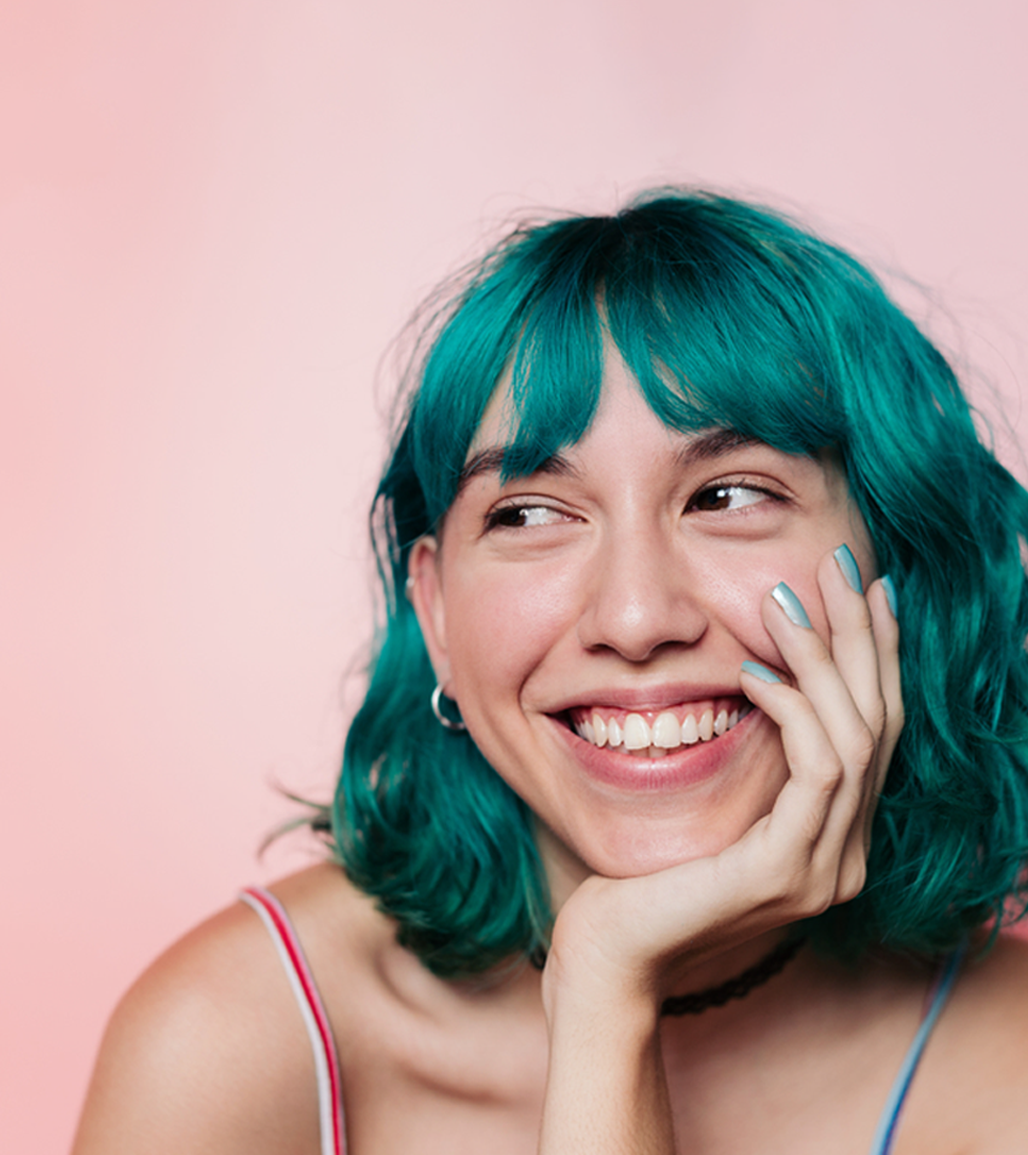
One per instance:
(326, 1058)
(888, 1123)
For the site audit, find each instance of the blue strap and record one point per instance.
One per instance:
(888, 1124)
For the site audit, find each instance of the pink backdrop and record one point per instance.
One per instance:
(214, 217)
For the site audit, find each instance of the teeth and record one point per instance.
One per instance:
(599, 731)
(666, 731)
(637, 734)
(644, 740)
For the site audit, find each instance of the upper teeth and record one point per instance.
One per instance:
(636, 736)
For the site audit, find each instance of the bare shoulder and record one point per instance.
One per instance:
(971, 1090)
(991, 1000)
(207, 1051)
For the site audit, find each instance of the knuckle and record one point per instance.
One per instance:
(865, 746)
(820, 896)
(852, 878)
(805, 891)
(821, 657)
(877, 717)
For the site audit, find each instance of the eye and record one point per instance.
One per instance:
(523, 516)
(721, 498)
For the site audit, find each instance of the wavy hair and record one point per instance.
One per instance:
(727, 315)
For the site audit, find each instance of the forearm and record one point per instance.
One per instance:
(606, 1091)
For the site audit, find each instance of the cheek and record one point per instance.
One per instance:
(739, 592)
(501, 625)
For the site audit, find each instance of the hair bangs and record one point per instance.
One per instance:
(557, 375)
(529, 333)
(716, 328)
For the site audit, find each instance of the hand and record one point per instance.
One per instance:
(839, 723)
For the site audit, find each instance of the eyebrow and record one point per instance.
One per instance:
(705, 447)
(713, 444)
(492, 461)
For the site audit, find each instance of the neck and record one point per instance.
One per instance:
(690, 977)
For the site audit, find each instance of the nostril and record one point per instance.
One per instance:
(653, 615)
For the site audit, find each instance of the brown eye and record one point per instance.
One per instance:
(522, 517)
(719, 498)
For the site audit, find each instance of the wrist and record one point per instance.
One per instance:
(596, 997)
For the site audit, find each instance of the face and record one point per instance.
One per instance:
(622, 584)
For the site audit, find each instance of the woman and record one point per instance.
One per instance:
(638, 852)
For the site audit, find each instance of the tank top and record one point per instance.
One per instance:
(326, 1058)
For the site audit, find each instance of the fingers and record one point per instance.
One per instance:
(808, 851)
(881, 599)
(851, 677)
(840, 723)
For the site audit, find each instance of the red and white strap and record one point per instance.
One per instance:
(326, 1058)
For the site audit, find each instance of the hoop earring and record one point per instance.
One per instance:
(437, 709)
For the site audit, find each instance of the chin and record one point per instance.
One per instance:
(635, 851)
(624, 846)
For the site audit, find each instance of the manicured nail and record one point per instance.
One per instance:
(850, 569)
(890, 594)
(792, 605)
(761, 672)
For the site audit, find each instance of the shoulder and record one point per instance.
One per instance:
(990, 996)
(974, 1065)
(208, 1051)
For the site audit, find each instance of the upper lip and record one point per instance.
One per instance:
(661, 697)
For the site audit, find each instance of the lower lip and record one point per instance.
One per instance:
(683, 767)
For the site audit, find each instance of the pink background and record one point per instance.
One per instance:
(214, 217)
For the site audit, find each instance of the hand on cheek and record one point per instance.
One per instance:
(841, 717)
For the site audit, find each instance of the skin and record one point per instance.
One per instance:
(635, 576)
(639, 574)
(612, 595)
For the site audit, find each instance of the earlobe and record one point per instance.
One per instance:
(424, 589)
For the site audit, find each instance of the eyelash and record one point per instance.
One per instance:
(507, 516)
(724, 487)
(495, 518)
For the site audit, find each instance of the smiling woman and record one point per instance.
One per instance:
(703, 640)
(624, 583)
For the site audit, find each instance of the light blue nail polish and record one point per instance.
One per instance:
(792, 605)
(850, 569)
(761, 672)
(890, 594)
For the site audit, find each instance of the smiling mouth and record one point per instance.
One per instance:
(652, 734)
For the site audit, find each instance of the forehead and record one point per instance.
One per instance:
(624, 426)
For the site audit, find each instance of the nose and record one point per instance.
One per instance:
(639, 598)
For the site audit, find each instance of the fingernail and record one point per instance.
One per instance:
(850, 570)
(761, 672)
(792, 605)
(890, 594)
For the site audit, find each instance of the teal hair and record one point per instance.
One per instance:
(727, 315)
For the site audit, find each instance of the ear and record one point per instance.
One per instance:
(425, 591)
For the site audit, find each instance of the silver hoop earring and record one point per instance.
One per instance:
(437, 709)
